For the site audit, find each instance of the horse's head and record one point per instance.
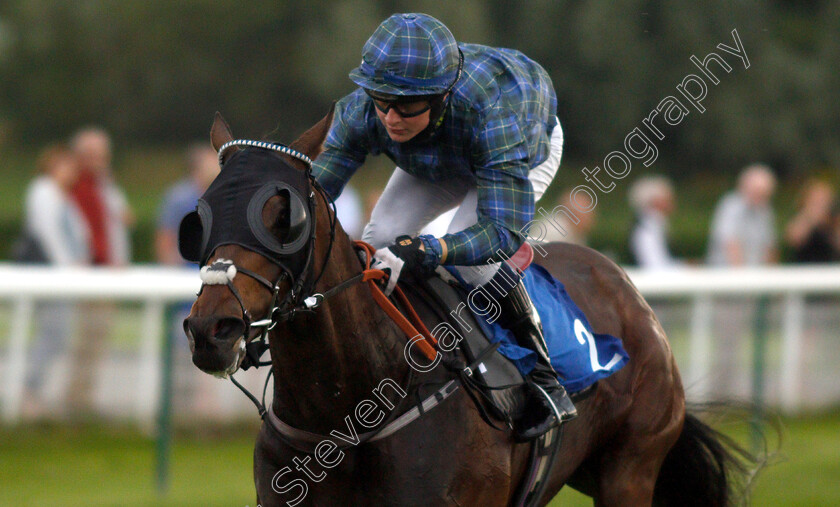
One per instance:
(253, 233)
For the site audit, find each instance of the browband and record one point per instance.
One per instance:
(266, 146)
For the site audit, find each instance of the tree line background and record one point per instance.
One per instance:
(153, 72)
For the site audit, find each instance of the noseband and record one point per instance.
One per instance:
(223, 272)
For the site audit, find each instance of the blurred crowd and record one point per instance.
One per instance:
(76, 214)
(743, 224)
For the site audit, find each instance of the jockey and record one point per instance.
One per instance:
(468, 126)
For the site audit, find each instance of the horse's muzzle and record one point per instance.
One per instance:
(216, 342)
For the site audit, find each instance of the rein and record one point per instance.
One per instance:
(223, 271)
(412, 326)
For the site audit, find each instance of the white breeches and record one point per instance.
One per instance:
(409, 203)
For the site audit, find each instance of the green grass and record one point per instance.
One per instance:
(804, 472)
(103, 465)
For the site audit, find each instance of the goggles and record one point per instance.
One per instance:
(403, 108)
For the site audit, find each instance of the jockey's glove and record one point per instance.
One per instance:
(406, 254)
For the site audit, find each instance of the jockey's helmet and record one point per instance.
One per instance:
(408, 56)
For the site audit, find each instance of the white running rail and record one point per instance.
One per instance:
(155, 286)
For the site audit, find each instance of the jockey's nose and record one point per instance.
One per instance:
(213, 328)
(392, 117)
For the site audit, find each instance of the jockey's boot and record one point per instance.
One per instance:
(550, 403)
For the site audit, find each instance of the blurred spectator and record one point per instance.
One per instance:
(576, 233)
(103, 204)
(350, 212)
(57, 230)
(813, 233)
(742, 234)
(52, 220)
(202, 164)
(652, 199)
(108, 217)
(743, 231)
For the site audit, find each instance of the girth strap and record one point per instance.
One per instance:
(306, 441)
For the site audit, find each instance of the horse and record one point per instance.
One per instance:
(341, 366)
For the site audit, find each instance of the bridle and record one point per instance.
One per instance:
(300, 297)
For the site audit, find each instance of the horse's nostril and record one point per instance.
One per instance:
(208, 329)
(227, 328)
(192, 331)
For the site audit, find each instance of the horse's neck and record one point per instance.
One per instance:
(327, 362)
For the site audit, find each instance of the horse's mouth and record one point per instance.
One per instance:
(239, 347)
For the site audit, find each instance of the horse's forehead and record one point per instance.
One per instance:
(241, 256)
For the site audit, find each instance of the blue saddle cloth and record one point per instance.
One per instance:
(579, 356)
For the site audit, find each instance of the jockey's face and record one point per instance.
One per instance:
(400, 128)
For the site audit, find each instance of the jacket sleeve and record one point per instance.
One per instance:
(505, 197)
(345, 148)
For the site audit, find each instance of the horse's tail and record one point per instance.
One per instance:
(704, 468)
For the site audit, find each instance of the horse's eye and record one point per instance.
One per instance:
(283, 224)
(276, 216)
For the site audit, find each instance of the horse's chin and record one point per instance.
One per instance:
(239, 355)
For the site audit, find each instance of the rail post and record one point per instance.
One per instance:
(164, 419)
(758, 367)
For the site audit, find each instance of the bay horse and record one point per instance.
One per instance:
(633, 442)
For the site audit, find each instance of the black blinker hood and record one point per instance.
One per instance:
(230, 212)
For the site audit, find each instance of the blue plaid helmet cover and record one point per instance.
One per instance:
(409, 54)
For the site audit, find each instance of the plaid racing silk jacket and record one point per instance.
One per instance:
(496, 127)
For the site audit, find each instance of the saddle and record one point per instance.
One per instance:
(442, 301)
(496, 385)
(492, 381)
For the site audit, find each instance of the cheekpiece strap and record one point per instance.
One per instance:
(266, 146)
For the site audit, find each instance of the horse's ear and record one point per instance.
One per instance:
(311, 143)
(220, 133)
